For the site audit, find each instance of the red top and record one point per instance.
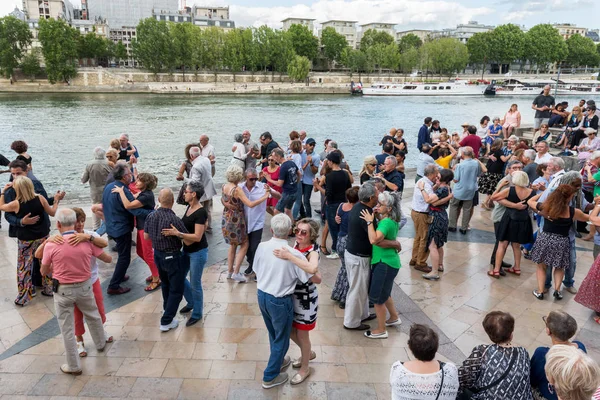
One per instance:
(473, 141)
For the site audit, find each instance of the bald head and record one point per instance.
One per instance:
(166, 198)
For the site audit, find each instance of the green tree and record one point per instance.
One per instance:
(445, 56)
(372, 37)
(212, 43)
(333, 44)
(92, 47)
(120, 52)
(233, 50)
(59, 48)
(409, 41)
(15, 37)
(298, 68)
(581, 52)
(544, 45)
(249, 50)
(153, 46)
(182, 50)
(30, 66)
(263, 37)
(391, 60)
(303, 41)
(409, 60)
(507, 44)
(376, 56)
(281, 52)
(356, 60)
(479, 47)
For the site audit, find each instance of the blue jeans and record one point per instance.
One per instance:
(193, 287)
(568, 280)
(278, 313)
(334, 228)
(172, 269)
(303, 200)
(123, 259)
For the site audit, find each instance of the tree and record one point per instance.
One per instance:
(409, 41)
(153, 46)
(30, 66)
(263, 37)
(304, 43)
(183, 51)
(249, 50)
(480, 49)
(581, 52)
(59, 48)
(333, 44)
(120, 52)
(15, 37)
(233, 50)
(391, 59)
(544, 45)
(92, 46)
(372, 37)
(281, 52)
(376, 55)
(409, 59)
(356, 60)
(445, 56)
(507, 44)
(212, 43)
(298, 68)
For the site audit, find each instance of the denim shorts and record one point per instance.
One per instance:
(286, 202)
(382, 281)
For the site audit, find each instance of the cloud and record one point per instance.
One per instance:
(523, 9)
(407, 13)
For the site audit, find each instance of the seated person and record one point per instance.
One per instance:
(572, 373)
(543, 134)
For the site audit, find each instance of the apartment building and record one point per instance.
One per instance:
(568, 30)
(308, 22)
(378, 26)
(345, 28)
(422, 34)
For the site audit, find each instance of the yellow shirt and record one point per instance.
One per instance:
(444, 161)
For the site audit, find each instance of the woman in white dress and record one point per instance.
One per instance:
(239, 151)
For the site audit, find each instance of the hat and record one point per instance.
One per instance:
(466, 124)
(311, 141)
(589, 131)
(334, 157)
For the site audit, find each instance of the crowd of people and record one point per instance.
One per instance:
(525, 186)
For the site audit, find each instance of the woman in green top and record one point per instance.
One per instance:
(385, 262)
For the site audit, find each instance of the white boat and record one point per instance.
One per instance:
(458, 88)
(517, 90)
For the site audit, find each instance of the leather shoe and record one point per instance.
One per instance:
(192, 321)
(451, 229)
(502, 272)
(369, 318)
(463, 231)
(571, 289)
(423, 268)
(121, 290)
(361, 327)
(125, 278)
(506, 265)
(185, 310)
(412, 263)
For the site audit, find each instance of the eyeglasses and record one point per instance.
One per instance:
(550, 388)
(300, 232)
(373, 165)
(544, 319)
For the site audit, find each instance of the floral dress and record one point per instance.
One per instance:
(233, 223)
(588, 294)
(438, 229)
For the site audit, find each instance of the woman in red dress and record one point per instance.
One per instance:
(588, 294)
(271, 174)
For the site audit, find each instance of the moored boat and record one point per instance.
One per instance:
(456, 88)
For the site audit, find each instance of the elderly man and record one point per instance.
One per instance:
(357, 258)
(389, 138)
(201, 171)
(276, 281)
(166, 230)
(96, 173)
(119, 225)
(387, 151)
(424, 160)
(251, 148)
(302, 137)
(542, 105)
(556, 168)
(267, 146)
(127, 149)
(542, 156)
(69, 265)
(465, 177)
(255, 217)
(390, 176)
(208, 150)
(420, 214)
(529, 164)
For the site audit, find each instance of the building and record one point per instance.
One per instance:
(593, 34)
(84, 26)
(308, 22)
(568, 30)
(422, 34)
(345, 28)
(120, 13)
(200, 16)
(212, 12)
(124, 34)
(463, 32)
(45, 9)
(18, 14)
(379, 27)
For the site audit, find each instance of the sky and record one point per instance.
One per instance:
(406, 14)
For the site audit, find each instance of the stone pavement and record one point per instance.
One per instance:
(223, 356)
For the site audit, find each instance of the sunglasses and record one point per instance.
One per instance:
(300, 232)
(373, 165)
(252, 179)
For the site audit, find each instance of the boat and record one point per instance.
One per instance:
(515, 89)
(455, 88)
(356, 88)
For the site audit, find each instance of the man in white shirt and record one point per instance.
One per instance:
(542, 157)
(276, 282)
(208, 150)
(201, 171)
(556, 167)
(420, 215)
(255, 217)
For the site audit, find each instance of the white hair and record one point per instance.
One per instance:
(595, 155)
(99, 153)
(513, 138)
(392, 160)
(66, 217)
(530, 154)
(558, 162)
(195, 151)
(125, 135)
(281, 226)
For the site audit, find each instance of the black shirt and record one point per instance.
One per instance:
(35, 231)
(199, 217)
(364, 178)
(336, 184)
(147, 199)
(397, 178)
(4, 161)
(358, 242)
(496, 167)
(541, 101)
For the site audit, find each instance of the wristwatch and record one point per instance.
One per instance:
(91, 238)
(369, 223)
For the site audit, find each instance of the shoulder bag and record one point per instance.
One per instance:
(442, 383)
(468, 393)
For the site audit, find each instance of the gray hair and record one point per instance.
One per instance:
(238, 137)
(125, 135)
(366, 191)
(467, 151)
(569, 177)
(544, 143)
(511, 163)
(595, 155)
(558, 162)
(392, 160)
(333, 144)
(250, 171)
(66, 217)
(529, 153)
(430, 169)
(196, 187)
(513, 138)
(99, 153)
(394, 202)
(195, 151)
(234, 174)
(281, 226)
(119, 171)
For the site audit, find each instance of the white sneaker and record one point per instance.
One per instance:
(230, 276)
(239, 278)
(333, 256)
(174, 324)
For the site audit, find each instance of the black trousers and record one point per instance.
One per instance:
(124, 258)
(254, 240)
(493, 258)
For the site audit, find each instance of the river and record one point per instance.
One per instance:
(63, 129)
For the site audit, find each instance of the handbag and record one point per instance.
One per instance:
(468, 393)
(442, 383)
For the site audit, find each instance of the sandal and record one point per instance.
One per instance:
(597, 319)
(512, 270)
(494, 274)
(440, 268)
(149, 279)
(109, 339)
(81, 349)
(324, 250)
(152, 286)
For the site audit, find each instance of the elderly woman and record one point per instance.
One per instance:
(368, 169)
(29, 237)
(511, 145)
(424, 377)
(543, 134)
(498, 370)
(587, 146)
(572, 374)
(239, 151)
(512, 120)
(305, 295)
(233, 223)
(96, 173)
(385, 261)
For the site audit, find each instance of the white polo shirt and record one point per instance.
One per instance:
(255, 217)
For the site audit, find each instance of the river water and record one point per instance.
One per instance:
(63, 129)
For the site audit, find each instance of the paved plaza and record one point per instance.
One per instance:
(223, 356)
